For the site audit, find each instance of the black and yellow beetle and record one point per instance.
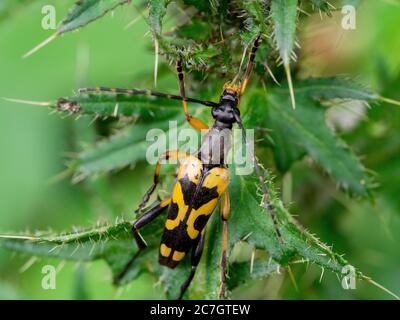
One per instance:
(202, 180)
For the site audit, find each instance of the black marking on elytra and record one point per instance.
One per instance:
(188, 189)
(204, 196)
(173, 211)
(201, 222)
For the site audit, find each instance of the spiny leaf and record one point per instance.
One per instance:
(304, 131)
(321, 5)
(125, 148)
(334, 88)
(240, 272)
(86, 11)
(284, 17)
(249, 222)
(104, 105)
(257, 16)
(81, 14)
(118, 105)
(157, 11)
(112, 243)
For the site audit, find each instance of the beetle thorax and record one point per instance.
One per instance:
(216, 145)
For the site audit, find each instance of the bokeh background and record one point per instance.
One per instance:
(35, 145)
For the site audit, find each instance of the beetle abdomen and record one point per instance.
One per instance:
(194, 198)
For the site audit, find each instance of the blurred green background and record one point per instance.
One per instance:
(35, 146)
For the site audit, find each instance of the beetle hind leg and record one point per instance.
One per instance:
(195, 259)
(145, 219)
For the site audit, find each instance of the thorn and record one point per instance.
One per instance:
(60, 266)
(130, 24)
(156, 50)
(383, 288)
(60, 176)
(18, 237)
(390, 101)
(266, 66)
(41, 45)
(322, 274)
(292, 278)
(253, 254)
(28, 264)
(115, 113)
(32, 103)
(290, 83)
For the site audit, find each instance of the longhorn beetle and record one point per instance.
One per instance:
(199, 184)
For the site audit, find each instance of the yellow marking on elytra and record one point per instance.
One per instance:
(164, 250)
(178, 255)
(191, 166)
(204, 210)
(218, 177)
(177, 197)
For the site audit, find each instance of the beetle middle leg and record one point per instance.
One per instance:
(168, 155)
(143, 220)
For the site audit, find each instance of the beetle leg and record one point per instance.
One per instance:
(250, 64)
(143, 220)
(225, 211)
(194, 122)
(195, 259)
(168, 155)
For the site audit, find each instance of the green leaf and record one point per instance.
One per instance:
(157, 11)
(257, 17)
(196, 30)
(86, 11)
(112, 243)
(124, 148)
(304, 131)
(249, 222)
(105, 105)
(202, 6)
(334, 88)
(240, 272)
(284, 17)
(321, 5)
